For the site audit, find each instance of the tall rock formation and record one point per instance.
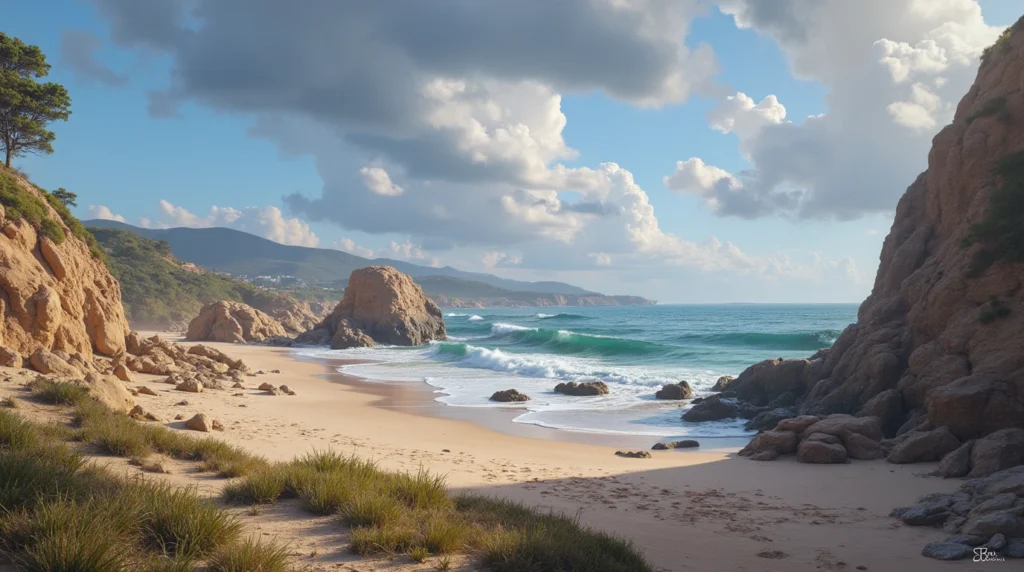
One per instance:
(233, 322)
(940, 334)
(380, 306)
(55, 294)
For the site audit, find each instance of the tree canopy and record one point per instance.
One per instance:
(26, 105)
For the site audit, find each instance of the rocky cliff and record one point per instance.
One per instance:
(380, 305)
(232, 322)
(56, 294)
(942, 333)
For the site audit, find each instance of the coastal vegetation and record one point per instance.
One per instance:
(1001, 233)
(26, 105)
(159, 291)
(65, 513)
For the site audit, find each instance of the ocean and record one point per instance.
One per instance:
(634, 349)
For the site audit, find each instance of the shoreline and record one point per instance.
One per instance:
(419, 398)
(685, 510)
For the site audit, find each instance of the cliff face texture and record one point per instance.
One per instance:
(380, 305)
(938, 336)
(54, 294)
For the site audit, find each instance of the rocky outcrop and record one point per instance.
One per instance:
(232, 322)
(582, 389)
(380, 306)
(509, 396)
(295, 316)
(940, 336)
(675, 391)
(986, 511)
(832, 439)
(55, 293)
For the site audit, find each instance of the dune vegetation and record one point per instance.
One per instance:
(62, 512)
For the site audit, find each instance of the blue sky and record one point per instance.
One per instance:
(115, 153)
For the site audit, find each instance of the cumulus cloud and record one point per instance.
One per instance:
(78, 51)
(893, 70)
(348, 245)
(102, 212)
(378, 181)
(492, 259)
(267, 222)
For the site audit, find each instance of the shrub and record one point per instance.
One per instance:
(1001, 233)
(388, 539)
(19, 203)
(261, 487)
(58, 392)
(250, 556)
(51, 229)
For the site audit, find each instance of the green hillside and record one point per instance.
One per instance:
(157, 292)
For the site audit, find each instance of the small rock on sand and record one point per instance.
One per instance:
(199, 422)
(143, 390)
(684, 444)
(634, 454)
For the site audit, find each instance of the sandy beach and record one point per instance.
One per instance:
(686, 510)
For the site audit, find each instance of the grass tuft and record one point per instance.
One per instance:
(250, 556)
(56, 392)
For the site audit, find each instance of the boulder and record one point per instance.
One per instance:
(717, 407)
(861, 448)
(887, 406)
(1014, 549)
(10, 358)
(266, 387)
(722, 383)
(384, 305)
(925, 514)
(121, 372)
(509, 395)
(947, 551)
(999, 450)
(957, 463)
(820, 452)
(234, 322)
(348, 335)
(824, 438)
(782, 442)
(109, 391)
(768, 455)
(200, 422)
(1003, 522)
(582, 389)
(769, 419)
(760, 383)
(797, 424)
(49, 363)
(190, 385)
(840, 425)
(924, 446)
(684, 444)
(676, 391)
(145, 390)
(286, 390)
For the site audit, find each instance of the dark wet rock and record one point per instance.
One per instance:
(1014, 549)
(769, 419)
(823, 438)
(841, 424)
(1003, 522)
(509, 396)
(634, 454)
(957, 463)
(585, 388)
(766, 455)
(684, 444)
(947, 551)
(677, 391)
(953, 523)
(716, 408)
(887, 406)
(933, 514)
(861, 448)
(722, 383)
(797, 424)
(999, 502)
(967, 539)
(996, 543)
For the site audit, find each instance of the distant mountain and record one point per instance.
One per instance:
(459, 293)
(243, 254)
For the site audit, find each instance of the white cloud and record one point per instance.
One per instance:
(600, 258)
(348, 245)
(694, 177)
(378, 181)
(492, 259)
(103, 213)
(267, 222)
(893, 70)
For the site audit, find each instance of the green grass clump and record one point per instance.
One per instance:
(995, 310)
(1001, 233)
(56, 392)
(19, 203)
(250, 556)
(77, 228)
(52, 229)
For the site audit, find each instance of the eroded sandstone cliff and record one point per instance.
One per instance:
(55, 294)
(942, 333)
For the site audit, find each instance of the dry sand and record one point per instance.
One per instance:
(685, 510)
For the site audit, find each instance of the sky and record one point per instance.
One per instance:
(689, 151)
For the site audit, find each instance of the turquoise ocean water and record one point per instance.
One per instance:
(635, 350)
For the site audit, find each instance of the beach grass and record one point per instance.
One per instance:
(155, 526)
(393, 513)
(62, 513)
